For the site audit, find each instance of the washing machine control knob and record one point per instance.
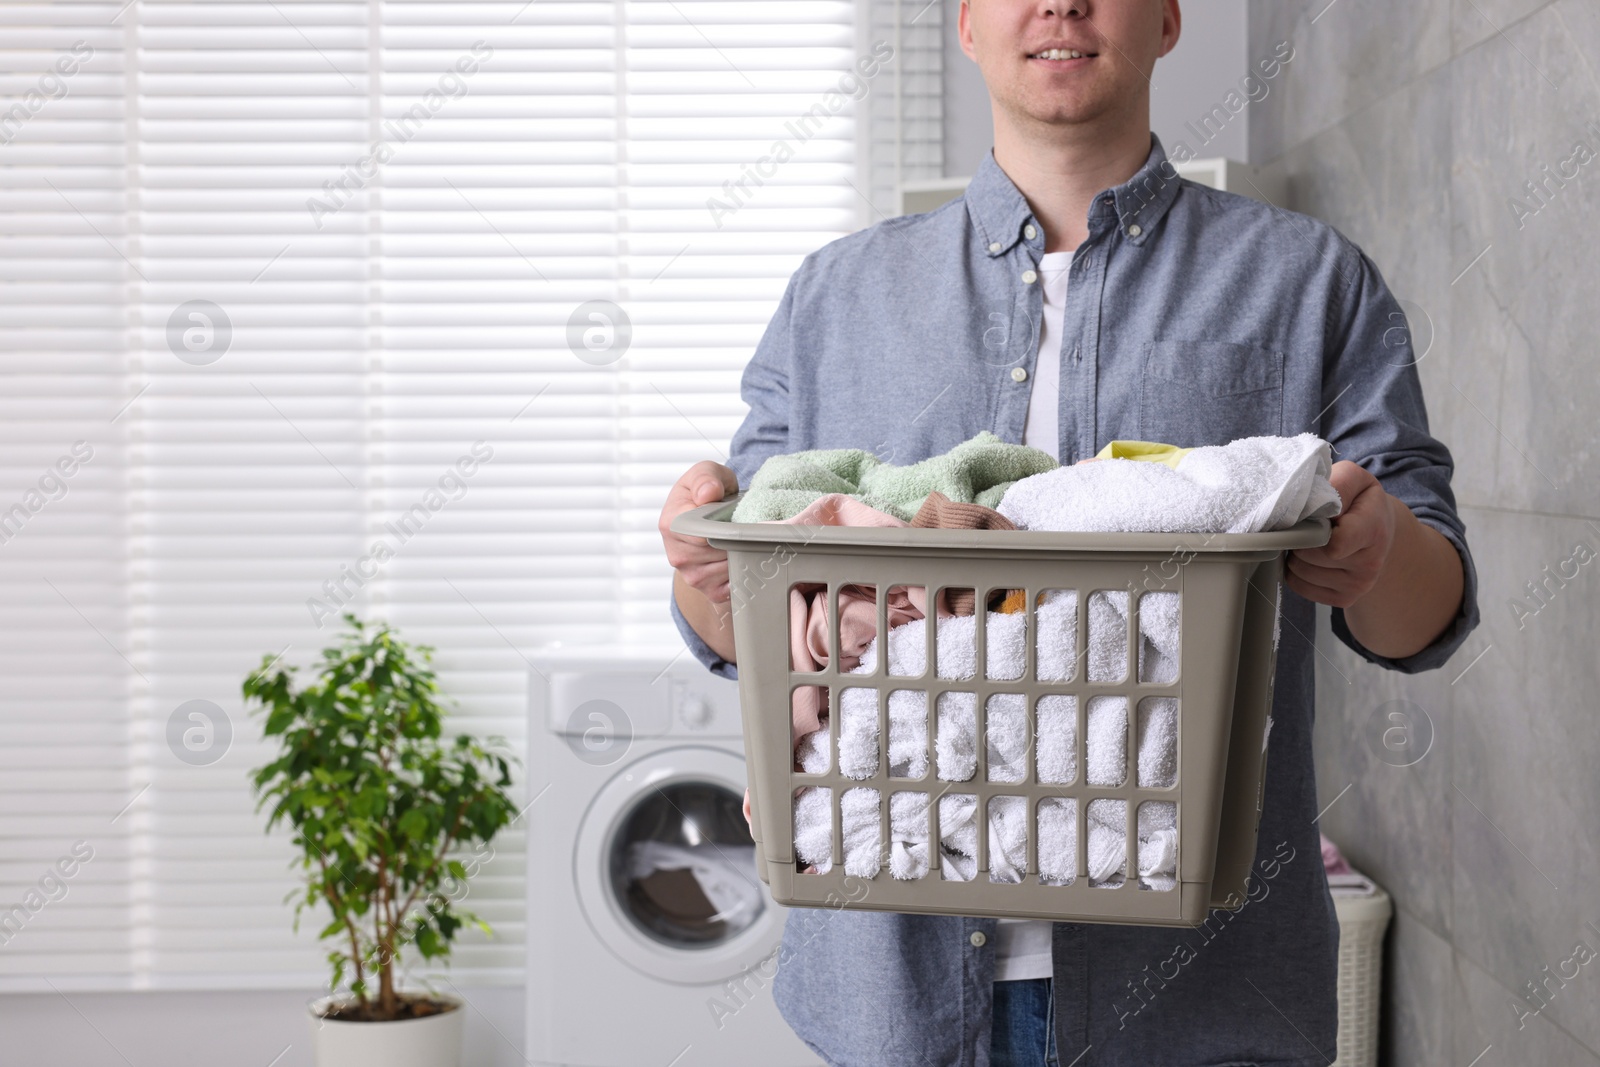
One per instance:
(695, 711)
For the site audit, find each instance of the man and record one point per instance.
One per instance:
(1166, 311)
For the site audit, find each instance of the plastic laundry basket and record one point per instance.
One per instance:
(1363, 918)
(1228, 587)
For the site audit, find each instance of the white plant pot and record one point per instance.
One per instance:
(433, 1041)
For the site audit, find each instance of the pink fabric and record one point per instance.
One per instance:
(808, 623)
(858, 609)
(858, 624)
(841, 509)
(1333, 861)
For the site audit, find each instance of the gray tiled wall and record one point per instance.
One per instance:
(1412, 127)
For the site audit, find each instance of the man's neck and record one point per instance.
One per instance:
(1060, 171)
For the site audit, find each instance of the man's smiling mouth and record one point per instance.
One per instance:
(1062, 53)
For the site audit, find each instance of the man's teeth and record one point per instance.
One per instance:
(1059, 53)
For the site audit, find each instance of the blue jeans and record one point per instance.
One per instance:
(1023, 1033)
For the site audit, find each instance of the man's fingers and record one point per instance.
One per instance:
(1328, 577)
(1350, 480)
(704, 483)
(1354, 529)
(709, 578)
(1320, 594)
(1343, 542)
(1316, 556)
(714, 482)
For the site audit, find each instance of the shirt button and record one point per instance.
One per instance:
(1030, 232)
(1019, 374)
(978, 939)
(994, 246)
(1134, 230)
(1029, 277)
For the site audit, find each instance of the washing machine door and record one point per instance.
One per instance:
(665, 869)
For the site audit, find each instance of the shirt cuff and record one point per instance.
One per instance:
(1444, 646)
(697, 646)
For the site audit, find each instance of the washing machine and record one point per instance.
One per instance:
(651, 940)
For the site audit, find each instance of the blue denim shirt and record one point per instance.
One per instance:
(1192, 317)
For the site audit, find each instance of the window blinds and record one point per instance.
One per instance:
(299, 316)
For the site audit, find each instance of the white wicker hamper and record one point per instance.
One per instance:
(1363, 918)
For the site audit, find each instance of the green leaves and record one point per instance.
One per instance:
(377, 798)
(414, 824)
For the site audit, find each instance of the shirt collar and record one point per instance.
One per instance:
(1000, 212)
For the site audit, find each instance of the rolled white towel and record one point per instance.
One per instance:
(1008, 839)
(1108, 842)
(858, 816)
(813, 827)
(1157, 848)
(1158, 844)
(1057, 750)
(1058, 635)
(1007, 742)
(1108, 740)
(1158, 742)
(812, 751)
(1108, 635)
(1058, 840)
(1057, 830)
(1006, 730)
(958, 836)
(908, 835)
(1159, 637)
(863, 843)
(955, 741)
(1247, 486)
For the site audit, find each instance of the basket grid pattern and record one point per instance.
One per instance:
(1077, 682)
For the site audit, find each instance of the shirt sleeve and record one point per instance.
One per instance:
(697, 645)
(1375, 416)
(764, 386)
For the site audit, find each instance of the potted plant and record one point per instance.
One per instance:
(378, 801)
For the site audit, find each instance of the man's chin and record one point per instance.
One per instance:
(1076, 112)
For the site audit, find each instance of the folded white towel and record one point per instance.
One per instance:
(1158, 743)
(1108, 740)
(1007, 826)
(908, 827)
(858, 814)
(1057, 753)
(1008, 840)
(955, 742)
(1158, 843)
(1007, 736)
(1058, 840)
(908, 849)
(1248, 486)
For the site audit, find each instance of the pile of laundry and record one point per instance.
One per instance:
(1250, 485)
(1008, 740)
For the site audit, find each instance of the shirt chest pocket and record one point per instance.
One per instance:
(1196, 393)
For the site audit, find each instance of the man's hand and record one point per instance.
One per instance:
(1399, 580)
(700, 584)
(1349, 565)
(704, 568)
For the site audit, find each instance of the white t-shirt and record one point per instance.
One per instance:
(1042, 428)
(1022, 946)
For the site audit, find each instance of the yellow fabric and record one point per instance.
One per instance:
(1145, 450)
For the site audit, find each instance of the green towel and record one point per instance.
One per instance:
(978, 471)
